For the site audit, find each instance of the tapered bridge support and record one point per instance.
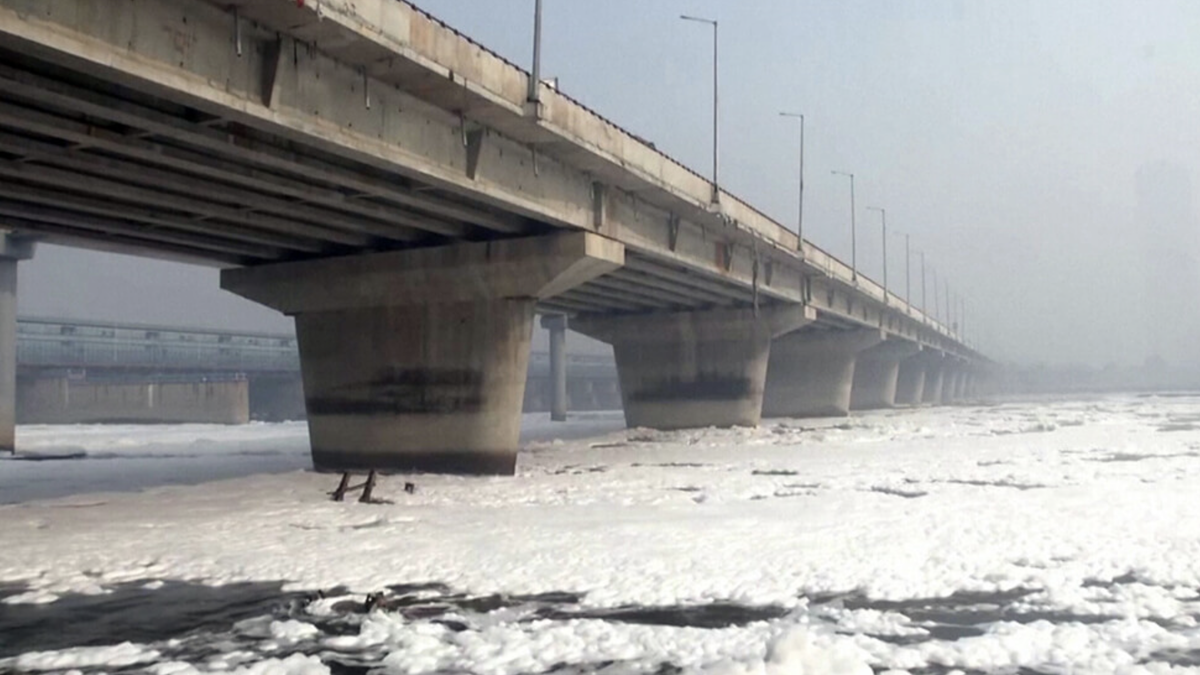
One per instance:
(416, 360)
(910, 381)
(812, 372)
(935, 370)
(12, 250)
(951, 382)
(876, 374)
(693, 369)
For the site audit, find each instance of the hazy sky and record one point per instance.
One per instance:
(1005, 135)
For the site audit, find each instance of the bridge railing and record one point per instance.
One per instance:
(65, 344)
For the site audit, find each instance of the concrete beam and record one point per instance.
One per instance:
(812, 372)
(531, 267)
(693, 369)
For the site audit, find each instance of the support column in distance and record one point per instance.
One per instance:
(13, 249)
(812, 372)
(877, 372)
(704, 368)
(935, 368)
(416, 360)
(910, 381)
(557, 325)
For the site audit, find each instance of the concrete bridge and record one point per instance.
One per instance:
(389, 183)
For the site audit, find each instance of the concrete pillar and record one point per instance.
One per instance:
(950, 379)
(416, 360)
(876, 374)
(557, 325)
(693, 369)
(934, 370)
(910, 381)
(12, 250)
(812, 372)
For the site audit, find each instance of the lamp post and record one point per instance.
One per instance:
(907, 270)
(923, 305)
(883, 224)
(716, 194)
(535, 78)
(853, 227)
(800, 212)
(937, 303)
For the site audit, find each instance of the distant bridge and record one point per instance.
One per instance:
(115, 353)
(44, 343)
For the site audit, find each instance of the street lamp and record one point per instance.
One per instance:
(923, 312)
(936, 302)
(535, 78)
(800, 213)
(907, 269)
(883, 224)
(853, 227)
(716, 195)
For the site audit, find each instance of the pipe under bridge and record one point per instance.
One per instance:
(386, 181)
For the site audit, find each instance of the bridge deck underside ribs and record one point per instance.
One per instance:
(88, 162)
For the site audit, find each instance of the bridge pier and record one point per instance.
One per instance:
(812, 373)
(12, 251)
(693, 369)
(935, 370)
(557, 325)
(416, 360)
(877, 373)
(910, 381)
(951, 383)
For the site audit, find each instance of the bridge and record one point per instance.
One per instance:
(392, 185)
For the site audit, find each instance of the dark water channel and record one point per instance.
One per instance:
(194, 623)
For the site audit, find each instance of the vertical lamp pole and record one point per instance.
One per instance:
(907, 271)
(883, 224)
(937, 303)
(923, 305)
(800, 213)
(948, 317)
(536, 78)
(716, 193)
(853, 227)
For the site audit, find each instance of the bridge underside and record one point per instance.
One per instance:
(413, 213)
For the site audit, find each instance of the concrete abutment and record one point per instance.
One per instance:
(416, 360)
